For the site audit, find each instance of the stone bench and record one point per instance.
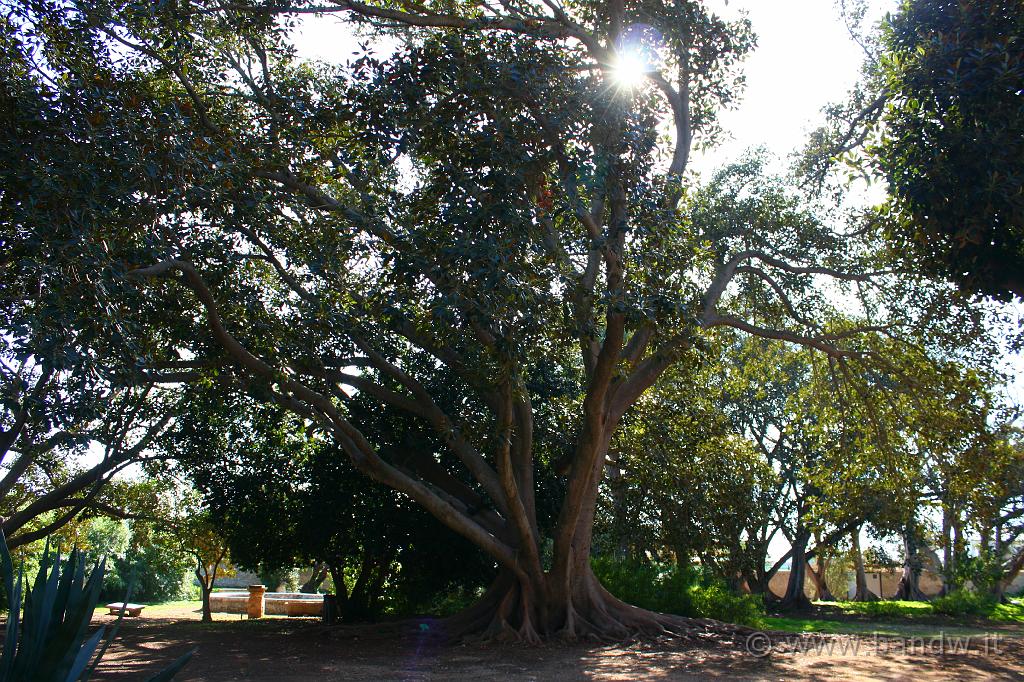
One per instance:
(132, 610)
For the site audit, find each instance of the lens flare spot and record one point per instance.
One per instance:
(630, 69)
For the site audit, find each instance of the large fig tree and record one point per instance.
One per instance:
(498, 190)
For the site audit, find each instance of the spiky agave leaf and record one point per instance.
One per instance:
(14, 613)
(36, 617)
(72, 614)
(114, 630)
(47, 641)
(173, 669)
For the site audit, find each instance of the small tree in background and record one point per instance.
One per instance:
(201, 539)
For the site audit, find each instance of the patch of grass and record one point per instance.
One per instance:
(902, 618)
(794, 624)
(886, 609)
(954, 604)
(835, 627)
(163, 608)
(965, 603)
(1009, 613)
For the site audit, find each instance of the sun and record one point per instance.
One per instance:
(630, 69)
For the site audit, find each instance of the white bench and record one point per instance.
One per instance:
(129, 609)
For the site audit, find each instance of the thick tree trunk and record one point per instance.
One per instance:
(512, 610)
(620, 510)
(337, 571)
(205, 588)
(758, 576)
(998, 589)
(364, 601)
(356, 607)
(947, 551)
(910, 582)
(796, 595)
(861, 593)
(529, 601)
(375, 587)
(317, 576)
(959, 549)
(821, 589)
(568, 602)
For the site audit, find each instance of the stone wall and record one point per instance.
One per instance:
(880, 583)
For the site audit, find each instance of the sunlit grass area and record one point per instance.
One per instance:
(882, 629)
(898, 619)
(162, 609)
(188, 610)
(906, 609)
(1012, 612)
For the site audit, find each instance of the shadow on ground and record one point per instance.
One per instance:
(300, 649)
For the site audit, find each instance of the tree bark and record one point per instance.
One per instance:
(205, 588)
(316, 578)
(796, 594)
(581, 609)
(947, 551)
(821, 589)
(758, 575)
(910, 582)
(620, 509)
(337, 571)
(959, 549)
(862, 593)
(375, 588)
(356, 607)
(568, 602)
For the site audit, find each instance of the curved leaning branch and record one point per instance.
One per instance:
(711, 317)
(716, 320)
(679, 100)
(362, 453)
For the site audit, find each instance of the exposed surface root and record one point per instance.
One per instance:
(510, 613)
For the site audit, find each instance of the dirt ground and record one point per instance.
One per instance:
(302, 649)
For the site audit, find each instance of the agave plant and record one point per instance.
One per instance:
(49, 640)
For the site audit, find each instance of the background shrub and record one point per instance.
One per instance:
(877, 609)
(279, 579)
(964, 603)
(161, 574)
(680, 590)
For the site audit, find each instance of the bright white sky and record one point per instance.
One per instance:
(804, 60)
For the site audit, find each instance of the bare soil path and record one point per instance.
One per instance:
(301, 649)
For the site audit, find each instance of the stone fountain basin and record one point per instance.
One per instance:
(274, 603)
